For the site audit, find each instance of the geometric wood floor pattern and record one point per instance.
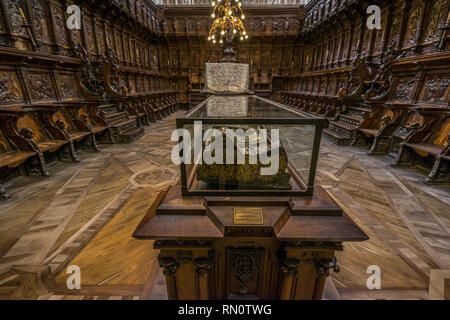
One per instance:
(85, 214)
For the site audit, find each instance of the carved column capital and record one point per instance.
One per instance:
(202, 265)
(170, 265)
(324, 266)
(290, 267)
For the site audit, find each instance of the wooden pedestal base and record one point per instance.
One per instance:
(247, 247)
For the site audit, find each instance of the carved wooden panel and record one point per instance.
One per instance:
(435, 89)
(60, 27)
(40, 84)
(68, 86)
(89, 34)
(413, 24)
(10, 89)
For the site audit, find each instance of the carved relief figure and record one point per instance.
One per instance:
(382, 81)
(60, 25)
(89, 71)
(404, 89)
(395, 31)
(437, 17)
(12, 9)
(40, 19)
(413, 23)
(435, 89)
(68, 88)
(40, 85)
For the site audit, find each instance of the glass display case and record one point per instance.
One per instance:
(247, 146)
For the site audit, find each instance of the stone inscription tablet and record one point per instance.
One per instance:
(227, 77)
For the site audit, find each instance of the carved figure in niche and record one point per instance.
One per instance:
(286, 25)
(257, 25)
(174, 25)
(438, 14)
(412, 25)
(275, 26)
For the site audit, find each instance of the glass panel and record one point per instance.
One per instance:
(236, 107)
(298, 142)
(249, 157)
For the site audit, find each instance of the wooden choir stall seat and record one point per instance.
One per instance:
(49, 138)
(75, 129)
(431, 140)
(10, 158)
(376, 131)
(96, 123)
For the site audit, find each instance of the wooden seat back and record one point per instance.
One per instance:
(59, 115)
(4, 144)
(439, 137)
(30, 121)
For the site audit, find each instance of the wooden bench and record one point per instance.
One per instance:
(136, 111)
(20, 143)
(48, 138)
(430, 140)
(156, 103)
(96, 123)
(10, 158)
(376, 130)
(75, 128)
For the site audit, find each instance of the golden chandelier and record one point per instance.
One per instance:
(227, 24)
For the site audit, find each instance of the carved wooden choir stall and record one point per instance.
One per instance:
(63, 90)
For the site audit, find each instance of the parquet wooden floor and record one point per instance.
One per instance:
(85, 213)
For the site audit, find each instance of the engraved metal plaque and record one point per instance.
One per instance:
(251, 216)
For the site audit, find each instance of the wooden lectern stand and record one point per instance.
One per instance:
(247, 247)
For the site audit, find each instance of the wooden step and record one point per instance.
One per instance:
(344, 125)
(115, 114)
(131, 134)
(351, 117)
(338, 138)
(122, 122)
(359, 109)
